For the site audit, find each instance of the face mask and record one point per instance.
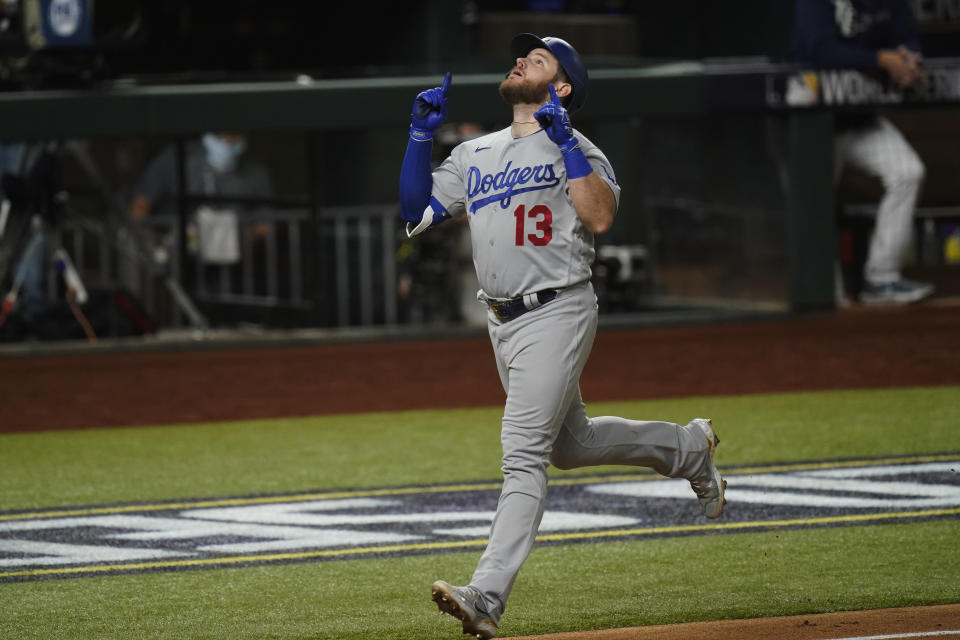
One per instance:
(223, 156)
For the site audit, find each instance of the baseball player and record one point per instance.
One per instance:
(534, 194)
(874, 36)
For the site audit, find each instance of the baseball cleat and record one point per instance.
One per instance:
(707, 483)
(902, 291)
(466, 605)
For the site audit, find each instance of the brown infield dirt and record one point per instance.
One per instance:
(912, 622)
(857, 348)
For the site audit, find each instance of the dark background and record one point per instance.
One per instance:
(200, 40)
(184, 41)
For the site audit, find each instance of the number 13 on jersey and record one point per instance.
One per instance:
(538, 220)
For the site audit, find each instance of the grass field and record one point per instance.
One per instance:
(583, 586)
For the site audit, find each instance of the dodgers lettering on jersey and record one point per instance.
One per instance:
(525, 232)
(542, 177)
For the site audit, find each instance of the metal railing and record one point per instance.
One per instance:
(337, 266)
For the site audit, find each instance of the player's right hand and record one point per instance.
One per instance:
(430, 107)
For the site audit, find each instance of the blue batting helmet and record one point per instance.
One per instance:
(568, 57)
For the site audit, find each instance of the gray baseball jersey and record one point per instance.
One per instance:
(526, 234)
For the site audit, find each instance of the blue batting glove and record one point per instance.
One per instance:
(555, 121)
(429, 110)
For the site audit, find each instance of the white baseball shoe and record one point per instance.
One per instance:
(466, 605)
(707, 483)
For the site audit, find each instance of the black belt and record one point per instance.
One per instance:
(506, 310)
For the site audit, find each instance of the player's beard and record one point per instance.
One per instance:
(524, 92)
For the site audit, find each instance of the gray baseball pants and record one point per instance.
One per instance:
(540, 357)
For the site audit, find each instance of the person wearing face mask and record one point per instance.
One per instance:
(224, 151)
(220, 180)
(216, 169)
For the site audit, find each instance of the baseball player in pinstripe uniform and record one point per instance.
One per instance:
(874, 36)
(534, 194)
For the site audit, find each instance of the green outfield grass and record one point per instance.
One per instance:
(647, 581)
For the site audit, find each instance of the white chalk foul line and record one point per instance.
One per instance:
(893, 636)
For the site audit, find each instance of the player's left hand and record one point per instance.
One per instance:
(555, 120)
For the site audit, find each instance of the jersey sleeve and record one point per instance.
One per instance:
(905, 27)
(601, 166)
(447, 196)
(820, 43)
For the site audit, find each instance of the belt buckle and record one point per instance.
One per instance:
(500, 310)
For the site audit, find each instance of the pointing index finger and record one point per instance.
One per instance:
(553, 94)
(446, 83)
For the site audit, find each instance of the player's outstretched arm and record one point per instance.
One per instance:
(592, 199)
(416, 179)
